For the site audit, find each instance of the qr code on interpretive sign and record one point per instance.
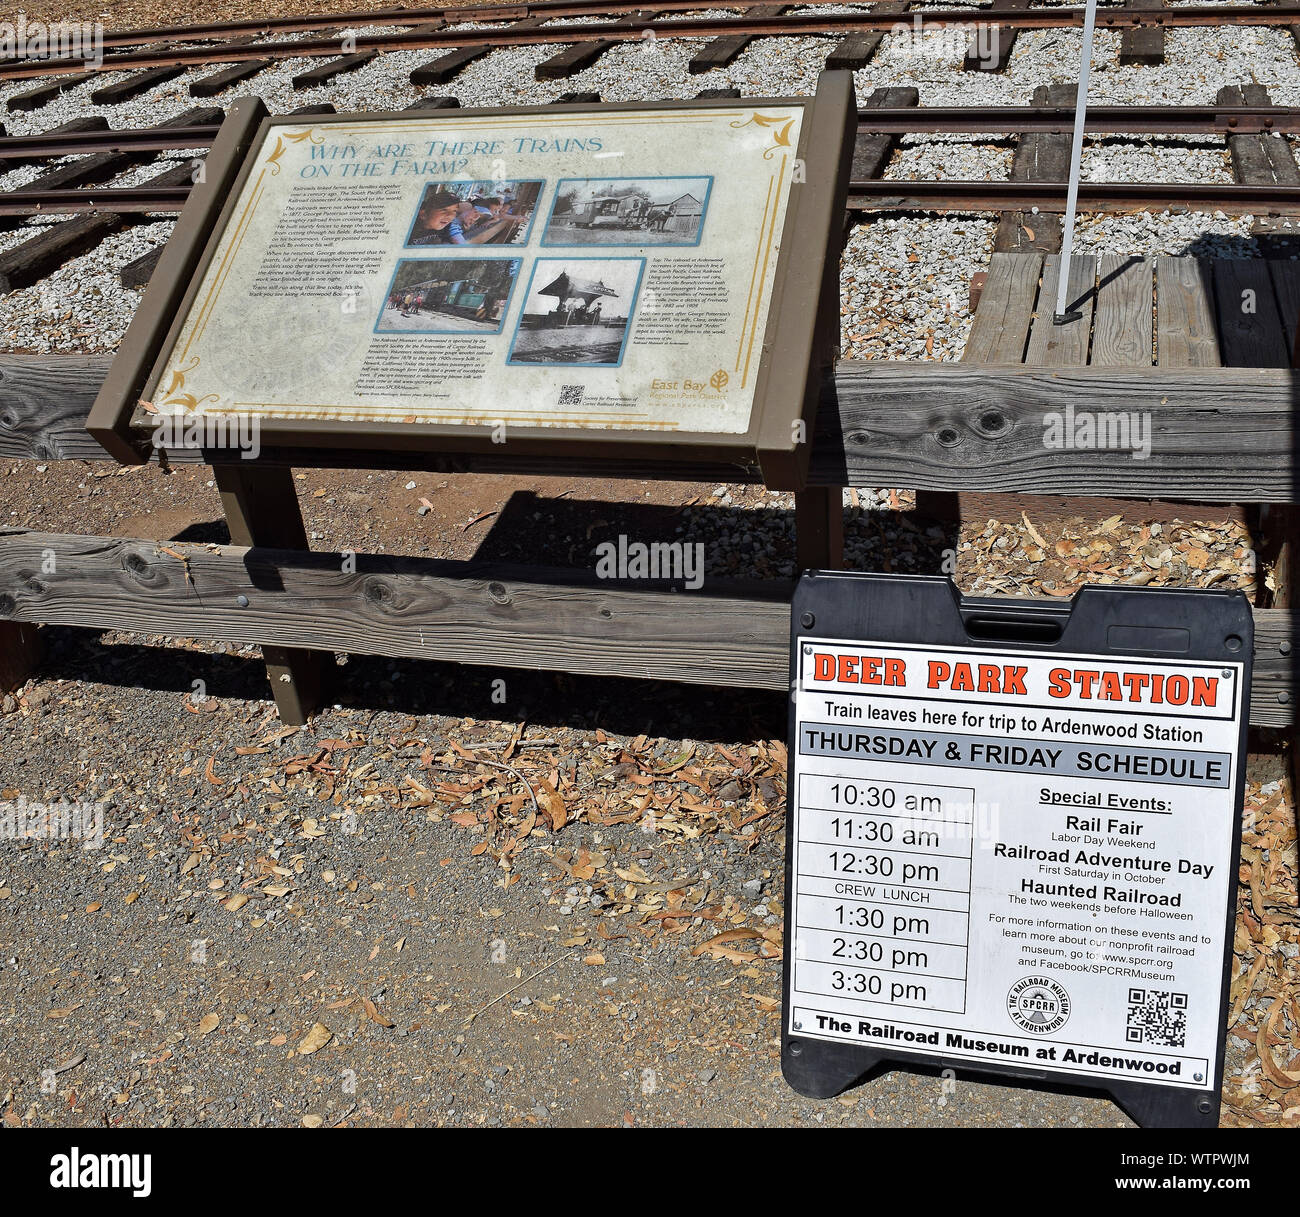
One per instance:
(1157, 1017)
(571, 395)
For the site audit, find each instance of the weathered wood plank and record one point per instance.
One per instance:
(577, 56)
(990, 47)
(722, 51)
(1186, 336)
(1041, 156)
(1258, 160)
(439, 71)
(47, 91)
(31, 261)
(853, 52)
(1122, 329)
(135, 84)
(1220, 435)
(1250, 329)
(1217, 435)
(139, 271)
(1000, 331)
(1143, 44)
(1063, 346)
(872, 149)
(36, 257)
(323, 73)
(219, 82)
(730, 633)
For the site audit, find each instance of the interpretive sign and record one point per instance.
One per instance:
(1013, 836)
(620, 278)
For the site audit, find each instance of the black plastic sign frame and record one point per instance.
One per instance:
(913, 615)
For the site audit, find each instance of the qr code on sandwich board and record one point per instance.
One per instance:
(1157, 1017)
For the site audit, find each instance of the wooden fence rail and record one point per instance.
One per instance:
(729, 633)
(1222, 435)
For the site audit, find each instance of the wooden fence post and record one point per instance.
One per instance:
(261, 509)
(819, 528)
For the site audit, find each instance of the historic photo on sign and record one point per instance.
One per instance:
(628, 211)
(474, 213)
(448, 296)
(577, 311)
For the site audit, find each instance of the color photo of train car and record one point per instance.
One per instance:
(448, 296)
(628, 211)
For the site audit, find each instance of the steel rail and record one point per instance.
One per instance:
(549, 9)
(112, 200)
(931, 195)
(1007, 121)
(869, 195)
(800, 25)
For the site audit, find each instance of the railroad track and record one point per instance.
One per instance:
(236, 43)
(865, 193)
(1040, 130)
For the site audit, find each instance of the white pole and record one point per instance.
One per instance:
(1076, 155)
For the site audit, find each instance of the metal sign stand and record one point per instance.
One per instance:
(1061, 317)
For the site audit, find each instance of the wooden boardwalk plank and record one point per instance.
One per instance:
(735, 634)
(1186, 336)
(1122, 329)
(1063, 346)
(1143, 44)
(1000, 331)
(1250, 329)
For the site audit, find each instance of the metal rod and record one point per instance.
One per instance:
(1060, 317)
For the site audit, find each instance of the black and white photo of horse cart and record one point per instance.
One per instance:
(577, 310)
(628, 211)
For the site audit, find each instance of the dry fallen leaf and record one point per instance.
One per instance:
(208, 1023)
(373, 1011)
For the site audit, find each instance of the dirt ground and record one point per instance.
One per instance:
(368, 922)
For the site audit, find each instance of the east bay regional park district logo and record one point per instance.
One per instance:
(1038, 1004)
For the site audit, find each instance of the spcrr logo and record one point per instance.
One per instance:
(1038, 1004)
(75, 1169)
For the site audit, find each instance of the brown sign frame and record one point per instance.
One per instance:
(801, 335)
